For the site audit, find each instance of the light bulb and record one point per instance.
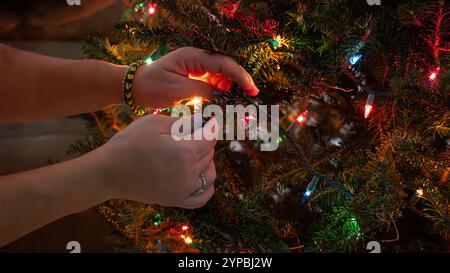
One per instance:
(369, 105)
(151, 9)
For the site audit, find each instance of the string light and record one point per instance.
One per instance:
(277, 42)
(416, 197)
(310, 189)
(302, 118)
(157, 218)
(188, 240)
(419, 192)
(151, 9)
(248, 118)
(149, 60)
(184, 227)
(352, 228)
(369, 105)
(195, 101)
(138, 6)
(355, 58)
(434, 74)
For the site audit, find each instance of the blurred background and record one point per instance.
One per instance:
(54, 28)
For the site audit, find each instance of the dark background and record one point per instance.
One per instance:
(56, 29)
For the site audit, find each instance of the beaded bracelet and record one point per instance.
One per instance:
(127, 88)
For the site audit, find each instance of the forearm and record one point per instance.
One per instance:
(35, 87)
(34, 198)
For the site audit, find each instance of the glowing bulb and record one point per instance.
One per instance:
(277, 42)
(368, 109)
(188, 240)
(151, 9)
(434, 74)
(355, 58)
(149, 60)
(369, 105)
(310, 188)
(419, 192)
(185, 227)
(204, 78)
(248, 118)
(302, 118)
(195, 101)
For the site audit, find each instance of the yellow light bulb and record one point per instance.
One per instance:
(196, 100)
(188, 240)
(419, 192)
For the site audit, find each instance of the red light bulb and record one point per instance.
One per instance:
(434, 74)
(369, 105)
(152, 9)
(184, 227)
(302, 118)
(368, 108)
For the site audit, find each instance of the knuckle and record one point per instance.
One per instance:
(187, 49)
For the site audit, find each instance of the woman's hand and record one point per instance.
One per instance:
(166, 80)
(144, 163)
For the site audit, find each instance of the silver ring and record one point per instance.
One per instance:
(204, 184)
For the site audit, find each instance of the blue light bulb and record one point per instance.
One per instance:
(355, 58)
(310, 189)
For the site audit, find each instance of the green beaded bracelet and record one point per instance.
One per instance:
(128, 85)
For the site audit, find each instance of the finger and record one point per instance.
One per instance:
(201, 199)
(204, 161)
(224, 84)
(228, 67)
(191, 88)
(209, 173)
(205, 138)
(200, 60)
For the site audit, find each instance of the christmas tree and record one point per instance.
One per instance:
(364, 150)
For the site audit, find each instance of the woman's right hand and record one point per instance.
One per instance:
(144, 163)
